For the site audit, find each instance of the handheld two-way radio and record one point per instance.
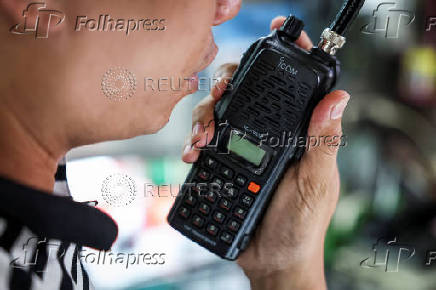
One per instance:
(274, 91)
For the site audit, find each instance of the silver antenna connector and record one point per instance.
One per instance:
(331, 41)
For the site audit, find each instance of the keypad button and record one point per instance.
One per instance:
(240, 180)
(197, 221)
(204, 209)
(200, 188)
(204, 174)
(225, 204)
(218, 181)
(253, 187)
(227, 172)
(231, 192)
(233, 225)
(240, 213)
(211, 196)
(210, 162)
(184, 212)
(247, 200)
(212, 229)
(226, 238)
(190, 200)
(191, 187)
(219, 217)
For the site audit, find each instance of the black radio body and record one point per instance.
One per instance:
(261, 125)
(269, 100)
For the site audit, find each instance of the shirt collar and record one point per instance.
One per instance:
(56, 217)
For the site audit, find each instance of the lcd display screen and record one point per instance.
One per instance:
(245, 149)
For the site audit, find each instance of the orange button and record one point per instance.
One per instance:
(253, 187)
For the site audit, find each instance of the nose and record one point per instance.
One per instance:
(226, 10)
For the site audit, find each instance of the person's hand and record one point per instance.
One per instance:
(287, 250)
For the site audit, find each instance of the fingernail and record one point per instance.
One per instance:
(187, 149)
(201, 143)
(338, 110)
(196, 129)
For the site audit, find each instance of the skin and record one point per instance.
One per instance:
(51, 96)
(51, 102)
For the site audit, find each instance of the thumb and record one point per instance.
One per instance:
(324, 136)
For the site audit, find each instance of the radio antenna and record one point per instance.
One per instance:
(333, 38)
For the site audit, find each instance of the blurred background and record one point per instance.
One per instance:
(388, 166)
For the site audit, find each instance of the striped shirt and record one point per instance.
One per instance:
(42, 235)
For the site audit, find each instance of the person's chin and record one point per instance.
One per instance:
(158, 123)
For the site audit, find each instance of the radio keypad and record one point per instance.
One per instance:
(227, 195)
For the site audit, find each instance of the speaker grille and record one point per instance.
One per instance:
(270, 99)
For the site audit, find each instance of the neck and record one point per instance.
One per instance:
(24, 158)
